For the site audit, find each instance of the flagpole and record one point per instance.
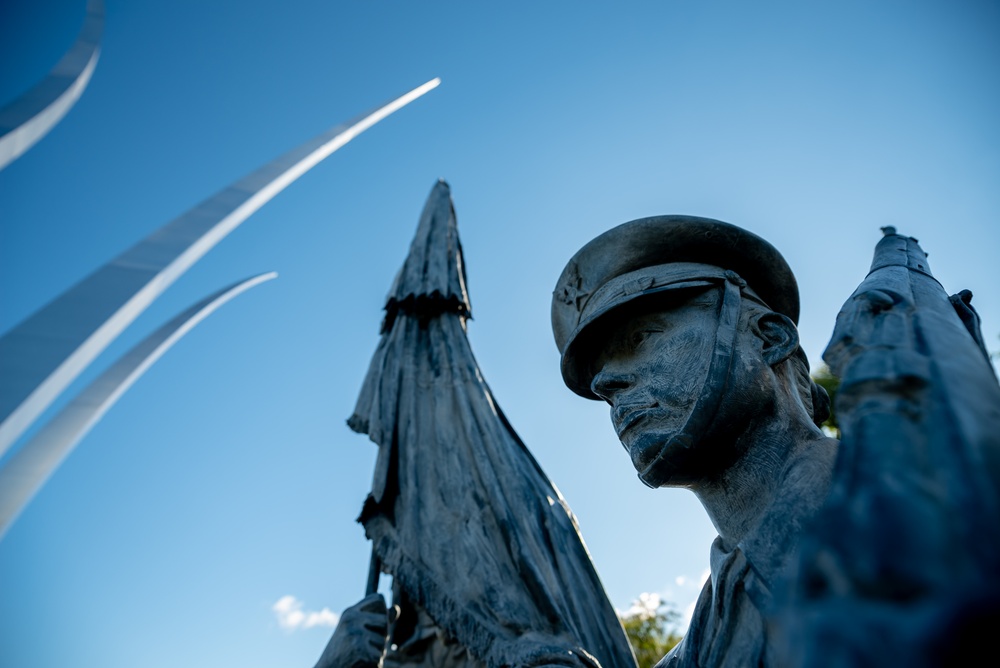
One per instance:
(374, 569)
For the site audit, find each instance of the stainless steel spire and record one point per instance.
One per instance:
(43, 354)
(30, 117)
(28, 468)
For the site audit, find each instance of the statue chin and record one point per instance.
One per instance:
(660, 448)
(646, 449)
(659, 457)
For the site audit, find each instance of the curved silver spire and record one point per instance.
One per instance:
(28, 468)
(30, 117)
(43, 354)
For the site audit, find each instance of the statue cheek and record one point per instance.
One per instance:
(678, 371)
(686, 351)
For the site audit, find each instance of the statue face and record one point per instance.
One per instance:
(651, 368)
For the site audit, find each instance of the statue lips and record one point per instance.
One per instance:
(627, 416)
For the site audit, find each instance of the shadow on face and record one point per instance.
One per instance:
(650, 360)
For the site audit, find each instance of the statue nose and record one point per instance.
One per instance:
(608, 382)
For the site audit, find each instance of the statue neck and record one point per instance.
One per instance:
(781, 477)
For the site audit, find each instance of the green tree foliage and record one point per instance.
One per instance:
(652, 629)
(825, 379)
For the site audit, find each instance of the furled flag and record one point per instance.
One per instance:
(460, 513)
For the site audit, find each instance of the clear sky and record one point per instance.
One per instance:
(226, 479)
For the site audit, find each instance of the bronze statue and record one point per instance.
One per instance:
(902, 564)
(882, 551)
(686, 328)
(878, 550)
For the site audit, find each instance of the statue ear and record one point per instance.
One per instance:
(778, 335)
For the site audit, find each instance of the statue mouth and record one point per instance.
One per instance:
(627, 416)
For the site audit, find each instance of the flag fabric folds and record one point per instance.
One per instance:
(460, 513)
(902, 565)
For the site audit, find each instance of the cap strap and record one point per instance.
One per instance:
(710, 398)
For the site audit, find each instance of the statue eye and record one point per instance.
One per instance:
(641, 336)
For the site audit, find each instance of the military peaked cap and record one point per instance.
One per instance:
(650, 256)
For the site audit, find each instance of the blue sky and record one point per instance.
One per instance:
(226, 479)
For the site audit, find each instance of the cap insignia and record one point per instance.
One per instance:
(571, 291)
